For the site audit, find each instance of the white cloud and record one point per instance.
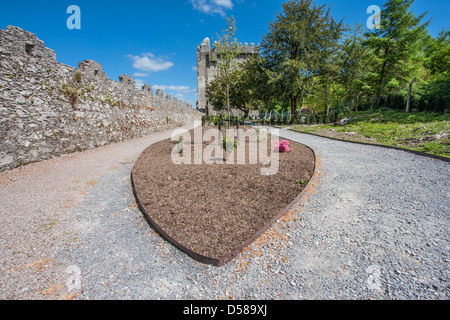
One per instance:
(194, 68)
(148, 62)
(180, 96)
(173, 88)
(224, 3)
(140, 74)
(212, 6)
(139, 83)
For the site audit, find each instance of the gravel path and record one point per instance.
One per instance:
(374, 225)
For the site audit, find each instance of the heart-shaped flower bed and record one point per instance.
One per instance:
(213, 211)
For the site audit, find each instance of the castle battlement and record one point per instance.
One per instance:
(48, 108)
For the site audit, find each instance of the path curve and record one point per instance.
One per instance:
(375, 226)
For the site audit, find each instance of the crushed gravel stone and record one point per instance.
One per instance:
(374, 225)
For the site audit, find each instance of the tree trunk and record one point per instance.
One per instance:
(245, 111)
(220, 127)
(228, 99)
(382, 74)
(294, 105)
(293, 109)
(408, 104)
(357, 101)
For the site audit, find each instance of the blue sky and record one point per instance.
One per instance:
(156, 41)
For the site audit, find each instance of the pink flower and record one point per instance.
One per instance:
(283, 146)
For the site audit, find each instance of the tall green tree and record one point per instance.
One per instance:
(343, 79)
(395, 48)
(248, 87)
(353, 63)
(437, 66)
(437, 52)
(227, 49)
(299, 48)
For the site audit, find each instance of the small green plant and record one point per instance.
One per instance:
(229, 144)
(110, 101)
(77, 77)
(300, 182)
(216, 120)
(180, 145)
(70, 93)
(206, 120)
(49, 226)
(167, 120)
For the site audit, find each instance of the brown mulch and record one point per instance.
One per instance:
(212, 209)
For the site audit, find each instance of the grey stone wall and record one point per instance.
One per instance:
(48, 109)
(207, 70)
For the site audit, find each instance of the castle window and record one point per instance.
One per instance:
(29, 48)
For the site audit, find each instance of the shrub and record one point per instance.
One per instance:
(307, 119)
(228, 144)
(273, 120)
(216, 120)
(180, 145)
(70, 93)
(77, 77)
(205, 120)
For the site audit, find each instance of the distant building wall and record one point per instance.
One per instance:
(49, 109)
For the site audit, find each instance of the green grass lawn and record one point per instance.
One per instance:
(424, 132)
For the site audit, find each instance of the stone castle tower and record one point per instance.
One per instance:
(207, 70)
